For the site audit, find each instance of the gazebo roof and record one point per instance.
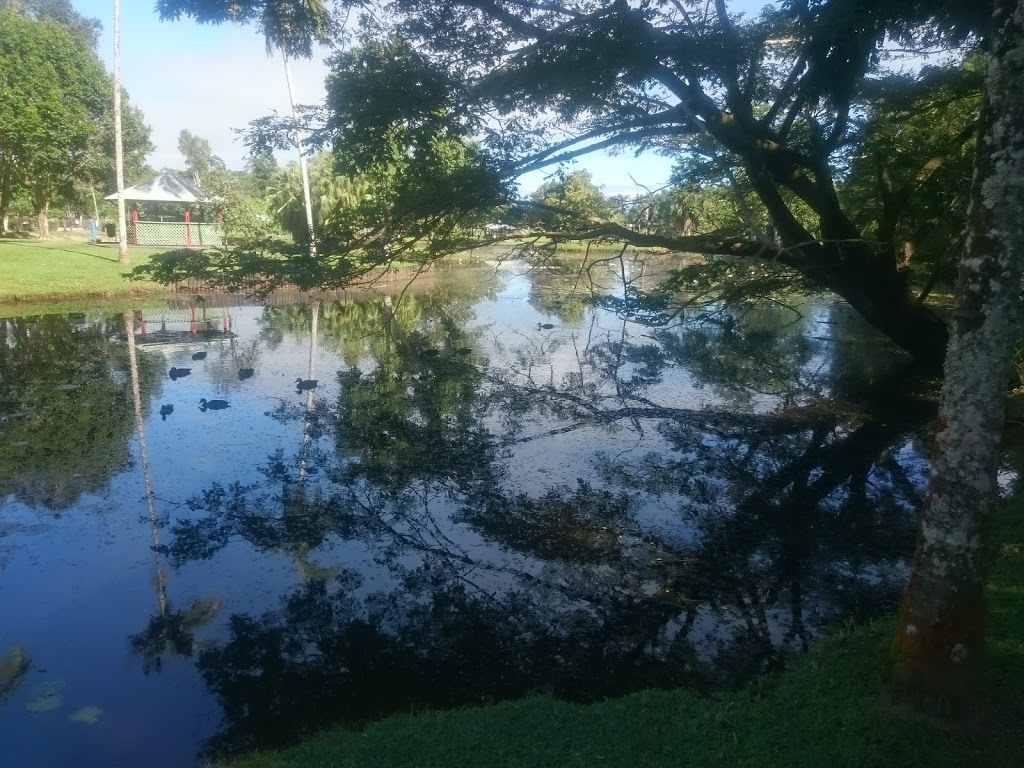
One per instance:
(165, 188)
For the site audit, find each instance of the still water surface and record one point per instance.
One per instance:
(494, 489)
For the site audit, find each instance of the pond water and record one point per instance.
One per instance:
(494, 489)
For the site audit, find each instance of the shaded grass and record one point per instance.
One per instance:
(42, 270)
(826, 711)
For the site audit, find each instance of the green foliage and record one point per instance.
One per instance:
(61, 12)
(912, 162)
(334, 196)
(244, 219)
(394, 105)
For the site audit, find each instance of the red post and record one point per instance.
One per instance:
(135, 225)
(188, 228)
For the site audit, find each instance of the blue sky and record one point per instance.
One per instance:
(212, 80)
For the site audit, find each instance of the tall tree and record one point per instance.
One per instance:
(940, 635)
(289, 26)
(54, 98)
(122, 235)
(199, 157)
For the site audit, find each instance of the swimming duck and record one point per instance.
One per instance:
(304, 385)
(199, 356)
(245, 373)
(545, 326)
(177, 373)
(213, 405)
(165, 411)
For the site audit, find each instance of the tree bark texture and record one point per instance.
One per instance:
(939, 641)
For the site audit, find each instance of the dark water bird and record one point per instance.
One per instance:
(199, 356)
(177, 373)
(213, 405)
(545, 326)
(165, 411)
(463, 351)
(245, 373)
(431, 353)
(305, 385)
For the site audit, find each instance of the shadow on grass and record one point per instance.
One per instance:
(101, 251)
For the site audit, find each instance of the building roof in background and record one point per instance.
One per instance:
(165, 188)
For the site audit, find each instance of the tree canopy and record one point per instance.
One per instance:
(55, 118)
(794, 109)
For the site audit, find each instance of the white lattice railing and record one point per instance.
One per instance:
(190, 235)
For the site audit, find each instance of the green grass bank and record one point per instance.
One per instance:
(53, 270)
(826, 711)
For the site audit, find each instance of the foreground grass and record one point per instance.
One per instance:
(827, 711)
(45, 270)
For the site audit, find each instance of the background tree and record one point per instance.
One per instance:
(56, 136)
(574, 193)
(53, 100)
(199, 157)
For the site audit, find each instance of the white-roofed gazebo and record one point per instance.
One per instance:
(168, 188)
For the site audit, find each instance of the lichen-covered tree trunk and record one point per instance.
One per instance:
(940, 635)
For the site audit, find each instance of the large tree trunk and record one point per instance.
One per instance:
(940, 635)
(882, 297)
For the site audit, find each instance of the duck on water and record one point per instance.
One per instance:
(213, 405)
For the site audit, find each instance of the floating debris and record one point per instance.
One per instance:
(46, 697)
(87, 715)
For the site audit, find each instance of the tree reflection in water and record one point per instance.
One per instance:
(740, 536)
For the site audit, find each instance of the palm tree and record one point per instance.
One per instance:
(294, 27)
(122, 238)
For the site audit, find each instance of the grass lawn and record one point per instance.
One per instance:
(45, 270)
(827, 711)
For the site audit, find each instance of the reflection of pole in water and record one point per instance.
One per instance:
(147, 478)
(310, 375)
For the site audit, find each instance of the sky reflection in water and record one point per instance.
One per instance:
(468, 507)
